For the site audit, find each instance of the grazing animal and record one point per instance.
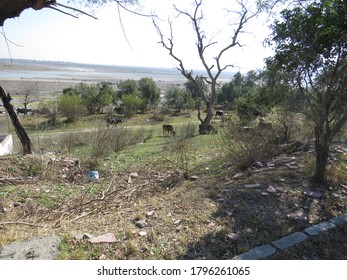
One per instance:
(23, 111)
(168, 129)
(113, 121)
(219, 114)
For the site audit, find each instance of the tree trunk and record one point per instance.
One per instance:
(21, 133)
(205, 127)
(322, 144)
(13, 8)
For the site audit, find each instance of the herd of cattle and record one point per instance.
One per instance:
(168, 129)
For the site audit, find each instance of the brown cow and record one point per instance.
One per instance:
(168, 129)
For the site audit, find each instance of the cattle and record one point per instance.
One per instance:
(219, 114)
(168, 129)
(113, 121)
(22, 110)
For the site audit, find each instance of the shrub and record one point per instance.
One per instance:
(243, 147)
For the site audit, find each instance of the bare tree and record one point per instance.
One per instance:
(214, 69)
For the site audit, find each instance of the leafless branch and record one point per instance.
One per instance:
(54, 4)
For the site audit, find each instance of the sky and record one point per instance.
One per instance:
(50, 35)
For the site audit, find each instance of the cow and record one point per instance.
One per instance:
(22, 110)
(168, 129)
(219, 114)
(113, 121)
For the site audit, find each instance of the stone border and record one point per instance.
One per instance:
(291, 240)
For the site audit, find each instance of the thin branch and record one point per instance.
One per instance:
(133, 12)
(123, 29)
(60, 11)
(76, 10)
(19, 223)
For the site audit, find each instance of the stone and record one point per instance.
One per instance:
(134, 175)
(140, 223)
(253, 186)
(257, 253)
(105, 238)
(232, 236)
(194, 178)
(142, 233)
(316, 195)
(299, 215)
(238, 175)
(271, 189)
(82, 236)
(149, 213)
(41, 248)
(317, 229)
(289, 240)
(340, 220)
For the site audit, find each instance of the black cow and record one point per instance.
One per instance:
(168, 129)
(113, 121)
(22, 110)
(219, 114)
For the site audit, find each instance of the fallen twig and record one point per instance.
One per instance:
(19, 223)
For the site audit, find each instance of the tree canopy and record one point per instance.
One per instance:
(311, 45)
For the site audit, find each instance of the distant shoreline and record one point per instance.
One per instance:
(20, 69)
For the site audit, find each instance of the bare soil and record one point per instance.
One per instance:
(155, 214)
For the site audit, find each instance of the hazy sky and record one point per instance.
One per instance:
(50, 35)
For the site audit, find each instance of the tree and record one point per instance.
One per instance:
(71, 106)
(20, 131)
(149, 91)
(204, 44)
(11, 9)
(131, 103)
(179, 98)
(311, 44)
(127, 87)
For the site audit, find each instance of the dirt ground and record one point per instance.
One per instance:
(154, 213)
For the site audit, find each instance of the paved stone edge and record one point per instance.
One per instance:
(291, 240)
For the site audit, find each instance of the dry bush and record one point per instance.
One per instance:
(179, 150)
(337, 173)
(286, 125)
(187, 130)
(157, 117)
(243, 147)
(69, 141)
(104, 141)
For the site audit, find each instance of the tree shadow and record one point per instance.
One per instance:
(248, 218)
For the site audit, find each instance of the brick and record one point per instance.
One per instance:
(340, 220)
(257, 253)
(289, 240)
(317, 229)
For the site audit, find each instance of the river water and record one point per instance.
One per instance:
(46, 70)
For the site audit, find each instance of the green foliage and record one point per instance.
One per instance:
(247, 95)
(311, 46)
(179, 98)
(150, 93)
(94, 96)
(71, 105)
(131, 104)
(127, 87)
